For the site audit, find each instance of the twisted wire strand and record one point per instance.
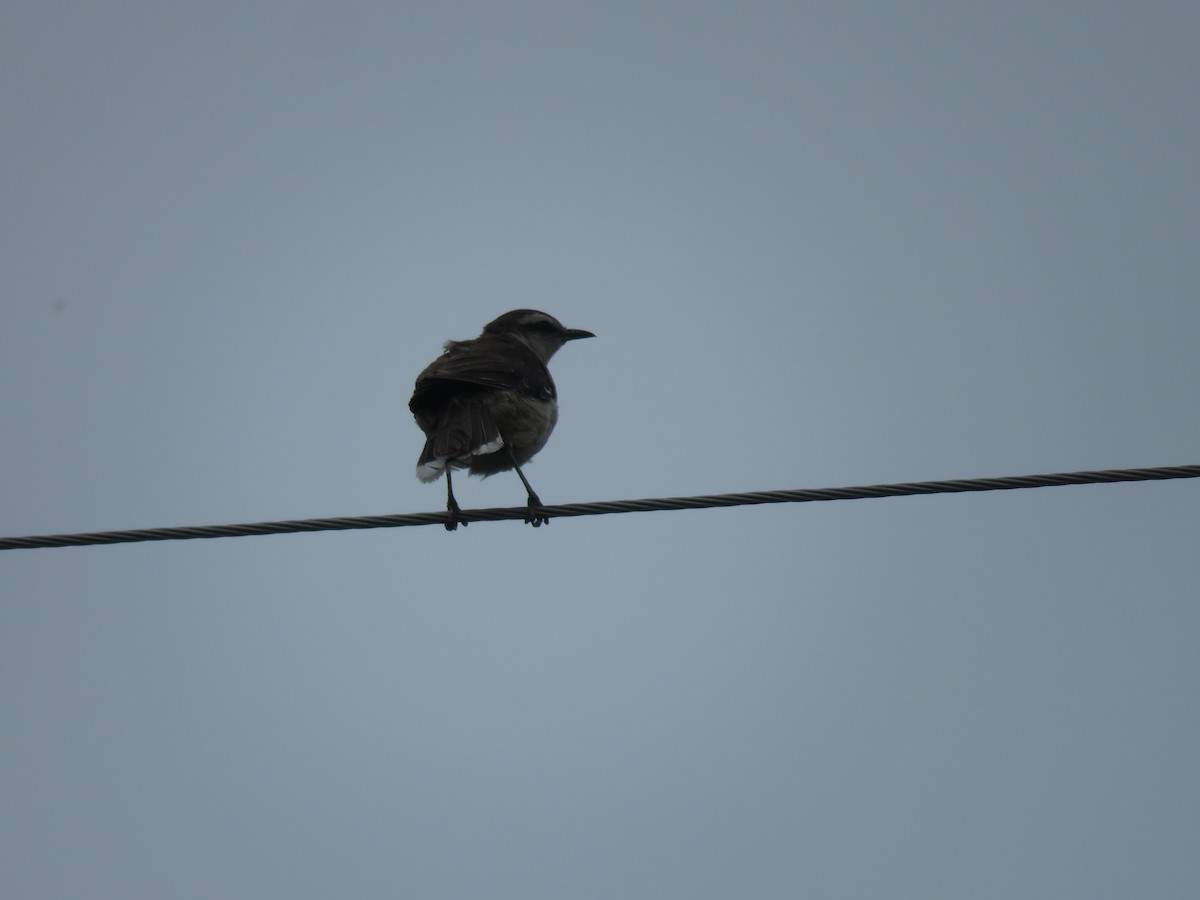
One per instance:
(496, 514)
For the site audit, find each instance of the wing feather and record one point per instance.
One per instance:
(494, 362)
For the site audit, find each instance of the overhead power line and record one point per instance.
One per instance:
(811, 495)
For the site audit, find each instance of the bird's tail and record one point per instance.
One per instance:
(466, 429)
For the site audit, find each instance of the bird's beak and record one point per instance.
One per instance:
(574, 334)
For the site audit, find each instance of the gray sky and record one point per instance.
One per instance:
(821, 244)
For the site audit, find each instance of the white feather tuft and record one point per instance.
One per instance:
(489, 447)
(432, 470)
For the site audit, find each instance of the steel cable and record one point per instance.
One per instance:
(810, 495)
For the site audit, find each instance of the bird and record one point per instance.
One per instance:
(488, 405)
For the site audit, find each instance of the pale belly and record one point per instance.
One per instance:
(525, 423)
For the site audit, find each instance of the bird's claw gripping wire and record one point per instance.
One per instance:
(536, 514)
(453, 511)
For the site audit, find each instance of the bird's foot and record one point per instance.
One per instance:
(453, 512)
(536, 514)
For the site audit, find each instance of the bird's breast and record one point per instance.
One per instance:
(525, 423)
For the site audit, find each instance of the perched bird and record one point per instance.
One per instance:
(489, 405)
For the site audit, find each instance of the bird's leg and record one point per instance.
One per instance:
(452, 506)
(536, 515)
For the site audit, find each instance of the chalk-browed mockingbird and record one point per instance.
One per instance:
(489, 405)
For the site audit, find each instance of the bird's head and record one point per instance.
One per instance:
(540, 332)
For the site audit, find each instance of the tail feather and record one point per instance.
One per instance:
(465, 429)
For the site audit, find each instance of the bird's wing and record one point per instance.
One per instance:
(487, 362)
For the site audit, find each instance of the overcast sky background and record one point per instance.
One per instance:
(821, 244)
